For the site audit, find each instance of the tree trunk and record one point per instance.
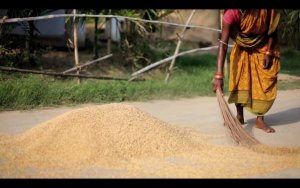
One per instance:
(31, 44)
(131, 32)
(96, 39)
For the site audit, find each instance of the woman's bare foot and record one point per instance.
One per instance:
(260, 124)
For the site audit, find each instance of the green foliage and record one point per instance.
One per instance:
(292, 26)
(290, 54)
(137, 47)
(288, 62)
(15, 54)
(138, 50)
(15, 50)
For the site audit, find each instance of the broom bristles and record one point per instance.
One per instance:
(236, 130)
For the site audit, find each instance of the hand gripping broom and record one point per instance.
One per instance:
(236, 131)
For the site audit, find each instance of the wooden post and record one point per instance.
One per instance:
(225, 62)
(178, 46)
(75, 45)
(109, 36)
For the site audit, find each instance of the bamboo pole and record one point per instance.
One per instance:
(225, 62)
(86, 64)
(178, 46)
(170, 58)
(75, 44)
(101, 16)
(66, 74)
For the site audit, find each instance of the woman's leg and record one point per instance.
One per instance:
(261, 125)
(240, 113)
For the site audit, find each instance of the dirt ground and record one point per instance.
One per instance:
(199, 112)
(287, 78)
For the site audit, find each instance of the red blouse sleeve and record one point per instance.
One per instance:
(232, 16)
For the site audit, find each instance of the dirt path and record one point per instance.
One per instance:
(287, 78)
(200, 112)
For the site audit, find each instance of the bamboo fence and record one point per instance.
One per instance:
(78, 67)
(178, 46)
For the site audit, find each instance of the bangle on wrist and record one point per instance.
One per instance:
(218, 77)
(269, 53)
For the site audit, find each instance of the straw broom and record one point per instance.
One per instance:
(236, 130)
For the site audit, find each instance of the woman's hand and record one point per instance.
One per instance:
(217, 83)
(268, 60)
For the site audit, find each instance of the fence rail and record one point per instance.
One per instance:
(10, 20)
(172, 57)
(67, 74)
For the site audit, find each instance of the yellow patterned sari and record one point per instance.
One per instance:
(249, 84)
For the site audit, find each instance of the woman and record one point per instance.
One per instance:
(254, 61)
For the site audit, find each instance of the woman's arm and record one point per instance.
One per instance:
(268, 59)
(222, 51)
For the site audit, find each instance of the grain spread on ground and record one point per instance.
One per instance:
(120, 141)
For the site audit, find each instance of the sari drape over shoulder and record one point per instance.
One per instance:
(249, 84)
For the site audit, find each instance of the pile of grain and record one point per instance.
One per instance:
(120, 141)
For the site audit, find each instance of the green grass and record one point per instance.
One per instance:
(290, 62)
(288, 85)
(192, 76)
(32, 92)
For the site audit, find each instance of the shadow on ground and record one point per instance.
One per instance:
(290, 116)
